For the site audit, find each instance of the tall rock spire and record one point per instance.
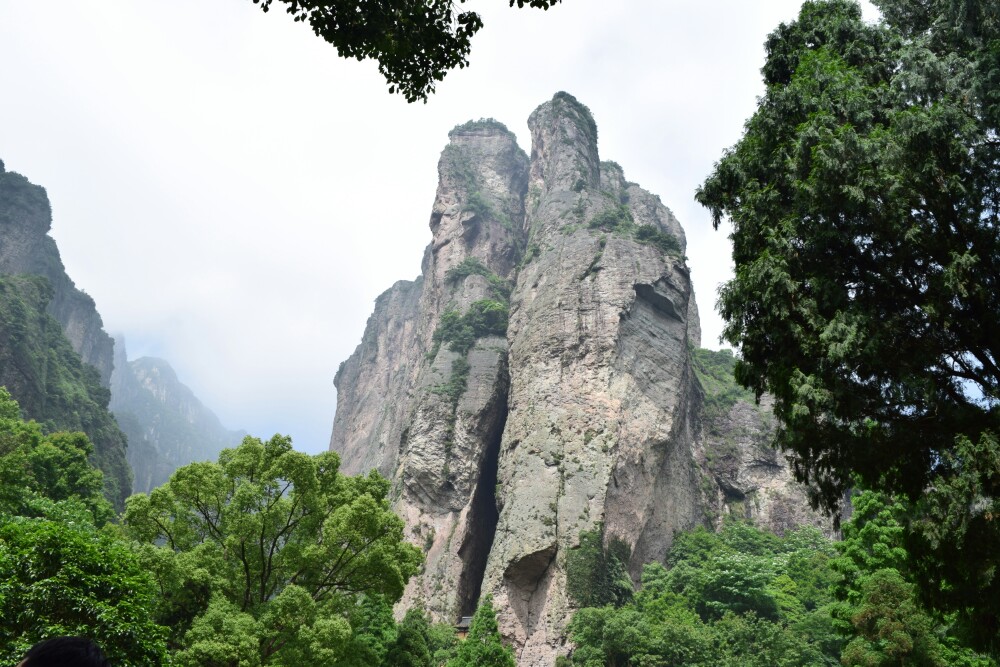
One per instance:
(537, 383)
(424, 397)
(600, 379)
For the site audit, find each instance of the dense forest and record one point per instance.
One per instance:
(272, 557)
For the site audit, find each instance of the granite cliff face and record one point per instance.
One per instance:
(539, 380)
(55, 358)
(167, 426)
(26, 247)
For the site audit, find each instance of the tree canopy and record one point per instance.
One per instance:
(744, 597)
(272, 553)
(864, 201)
(864, 197)
(416, 42)
(60, 572)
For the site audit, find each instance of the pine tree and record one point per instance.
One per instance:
(483, 647)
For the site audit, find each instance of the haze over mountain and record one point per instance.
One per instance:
(167, 426)
(66, 372)
(227, 188)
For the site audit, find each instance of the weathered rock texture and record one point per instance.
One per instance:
(167, 426)
(587, 415)
(26, 247)
(55, 358)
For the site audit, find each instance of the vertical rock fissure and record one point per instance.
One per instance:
(482, 522)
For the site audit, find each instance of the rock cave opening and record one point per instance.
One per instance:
(483, 518)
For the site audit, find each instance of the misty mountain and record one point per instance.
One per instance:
(167, 426)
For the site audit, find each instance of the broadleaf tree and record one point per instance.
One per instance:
(277, 536)
(61, 573)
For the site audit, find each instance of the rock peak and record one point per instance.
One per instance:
(481, 127)
(564, 145)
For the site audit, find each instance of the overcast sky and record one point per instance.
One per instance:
(234, 196)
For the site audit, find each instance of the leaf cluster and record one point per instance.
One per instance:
(278, 543)
(864, 202)
(414, 42)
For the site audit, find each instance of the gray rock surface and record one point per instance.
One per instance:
(588, 415)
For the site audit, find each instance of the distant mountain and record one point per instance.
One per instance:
(60, 364)
(167, 426)
(55, 358)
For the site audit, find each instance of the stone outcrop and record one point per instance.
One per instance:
(26, 247)
(537, 381)
(56, 359)
(426, 416)
(167, 426)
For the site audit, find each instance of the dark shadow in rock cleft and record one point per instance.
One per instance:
(482, 522)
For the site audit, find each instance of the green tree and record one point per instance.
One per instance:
(60, 578)
(414, 41)
(374, 632)
(410, 648)
(442, 642)
(954, 538)
(297, 549)
(891, 627)
(483, 647)
(865, 202)
(878, 574)
(738, 597)
(59, 573)
(46, 475)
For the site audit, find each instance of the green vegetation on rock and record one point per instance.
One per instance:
(481, 124)
(474, 266)
(618, 220)
(597, 575)
(582, 116)
(749, 598)
(486, 317)
(714, 370)
(52, 384)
